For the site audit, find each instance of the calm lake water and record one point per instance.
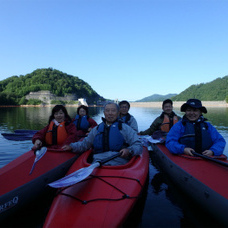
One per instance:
(163, 205)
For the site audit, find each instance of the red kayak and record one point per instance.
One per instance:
(104, 199)
(203, 179)
(19, 185)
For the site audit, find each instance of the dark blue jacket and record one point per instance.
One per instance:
(178, 130)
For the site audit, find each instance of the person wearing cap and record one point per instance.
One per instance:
(126, 117)
(194, 134)
(163, 123)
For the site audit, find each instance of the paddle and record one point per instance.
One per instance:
(210, 159)
(39, 154)
(80, 174)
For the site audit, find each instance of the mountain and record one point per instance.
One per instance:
(156, 97)
(14, 89)
(216, 90)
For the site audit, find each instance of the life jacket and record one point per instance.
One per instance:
(56, 134)
(168, 122)
(126, 118)
(108, 138)
(196, 135)
(82, 123)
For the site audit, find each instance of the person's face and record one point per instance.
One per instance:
(59, 116)
(111, 113)
(82, 112)
(193, 113)
(167, 108)
(124, 109)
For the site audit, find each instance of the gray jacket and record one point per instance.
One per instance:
(130, 137)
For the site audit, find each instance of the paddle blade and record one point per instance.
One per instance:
(74, 177)
(39, 154)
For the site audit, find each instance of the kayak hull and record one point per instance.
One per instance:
(19, 135)
(203, 181)
(21, 188)
(104, 199)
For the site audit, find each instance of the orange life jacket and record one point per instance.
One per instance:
(61, 133)
(166, 125)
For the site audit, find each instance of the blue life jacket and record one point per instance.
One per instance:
(81, 122)
(196, 135)
(108, 138)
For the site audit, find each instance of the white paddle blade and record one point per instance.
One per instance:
(39, 154)
(74, 177)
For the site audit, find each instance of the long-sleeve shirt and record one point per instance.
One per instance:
(156, 125)
(172, 139)
(71, 132)
(130, 137)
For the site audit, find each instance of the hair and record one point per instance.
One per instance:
(167, 101)
(124, 102)
(58, 108)
(117, 106)
(84, 107)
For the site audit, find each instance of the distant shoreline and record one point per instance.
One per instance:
(156, 104)
(177, 104)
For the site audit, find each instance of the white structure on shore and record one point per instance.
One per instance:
(82, 101)
(46, 96)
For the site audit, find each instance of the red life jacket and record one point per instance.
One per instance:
(166, 124)
(61, 133)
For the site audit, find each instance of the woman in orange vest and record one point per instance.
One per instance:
(60, 130)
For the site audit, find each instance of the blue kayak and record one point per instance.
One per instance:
(25, 131)
(19, 135)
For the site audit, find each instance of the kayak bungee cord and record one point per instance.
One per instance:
(124, 196)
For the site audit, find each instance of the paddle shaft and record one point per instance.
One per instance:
(210, 159)
(103, 161)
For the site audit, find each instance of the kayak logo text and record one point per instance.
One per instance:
(9, 204)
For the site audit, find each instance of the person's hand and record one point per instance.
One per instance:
(208, 152)
(67, 147)
(38, 144)
(188, 151)
(125, 153)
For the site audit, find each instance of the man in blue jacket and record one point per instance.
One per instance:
(194, 134)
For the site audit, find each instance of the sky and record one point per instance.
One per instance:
(124, 49)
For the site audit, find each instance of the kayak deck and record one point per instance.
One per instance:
(20, 188)
(203, 181)
(104, 199)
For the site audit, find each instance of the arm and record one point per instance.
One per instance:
(132, 139)
(219, 142)
(39, 137)
(133, 124)
(172, 139)
(92, 123)
(84, 145)
(153, 127)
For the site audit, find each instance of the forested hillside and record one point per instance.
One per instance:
(216, 90)
(14, 89)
